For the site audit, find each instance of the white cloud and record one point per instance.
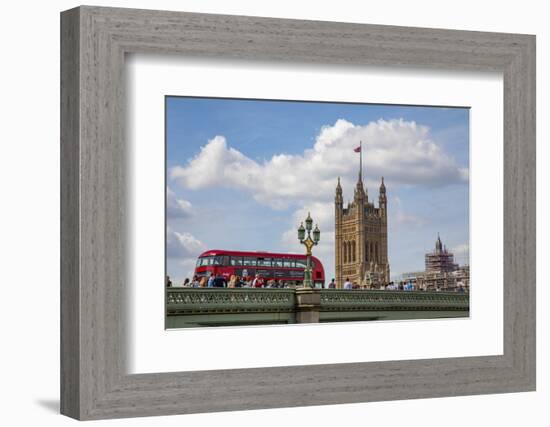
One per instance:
(182, 245)
(182, 250)
(402, 151)
(177, 208)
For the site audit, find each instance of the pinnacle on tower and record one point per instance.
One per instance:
(382, 200)
(438, 244)
(338, 199)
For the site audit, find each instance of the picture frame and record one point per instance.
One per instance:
(94, 379)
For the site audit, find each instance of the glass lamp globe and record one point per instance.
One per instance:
(309, 222)
(301, 232)
(316, 234)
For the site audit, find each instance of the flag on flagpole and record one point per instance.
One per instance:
(357, 150)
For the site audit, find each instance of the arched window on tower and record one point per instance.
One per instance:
(367, 252)
(345, 252)
(376, 253)
(371, 251)
(353, 251)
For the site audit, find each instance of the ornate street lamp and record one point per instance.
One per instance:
(308, 242)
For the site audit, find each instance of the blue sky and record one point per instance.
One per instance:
(241, 174)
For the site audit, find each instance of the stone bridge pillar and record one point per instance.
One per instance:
(308, 305)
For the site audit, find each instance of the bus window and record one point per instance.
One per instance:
(277, 262)
(300, 263)
(221, 260)
(249, 261)
(237, 261)
(264, 262)
(288, 263)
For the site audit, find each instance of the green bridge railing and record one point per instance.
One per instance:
(192, 307)
(337, 300)
(225, 300)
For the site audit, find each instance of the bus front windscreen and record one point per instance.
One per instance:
(205, 261)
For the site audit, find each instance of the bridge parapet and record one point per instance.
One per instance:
(187, 307)
(371, 300)
(224, 300)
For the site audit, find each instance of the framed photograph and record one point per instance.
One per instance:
(235, 224)
(279, 213)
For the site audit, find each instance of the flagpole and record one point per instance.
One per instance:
(360, 160)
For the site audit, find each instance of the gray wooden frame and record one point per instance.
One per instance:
(94, 382)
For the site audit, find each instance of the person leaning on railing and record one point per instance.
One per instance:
(203, 282)
(257, 282)
(239, 282)
(220, 282)
(195, 282)
(348, 284)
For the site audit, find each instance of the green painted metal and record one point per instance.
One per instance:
(229, 319)
(224, 300)
(360, 300)
(362, 316)
(192, 307)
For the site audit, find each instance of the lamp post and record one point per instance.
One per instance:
(308, 242)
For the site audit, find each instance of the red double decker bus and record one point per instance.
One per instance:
(269, 265)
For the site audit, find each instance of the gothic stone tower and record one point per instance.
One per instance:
(361, 236)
